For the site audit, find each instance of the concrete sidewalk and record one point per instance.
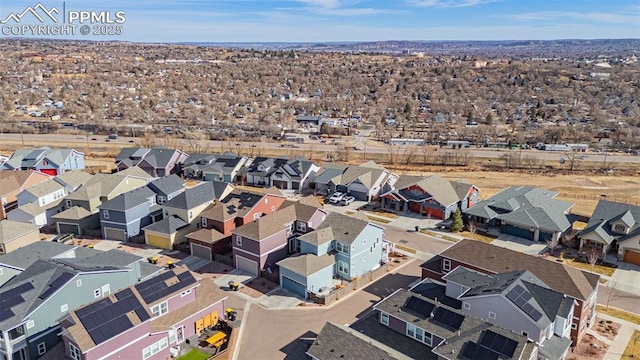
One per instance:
(619, 343)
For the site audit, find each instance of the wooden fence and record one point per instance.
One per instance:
(225, 259)
(350, 286)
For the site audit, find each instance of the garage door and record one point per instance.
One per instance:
(632, 257)
(519, 232)
(295, 185)
(52, 172)
(69, 229)
(158, 241)
(545, 236)
(280, 184)
(359, 195)
(201, 251)
(247, 265)
(294, 286)
(114, 234)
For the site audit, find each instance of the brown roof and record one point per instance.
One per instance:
(20, 177)
(8, 184)
(560, 277)
(271, 224)
(208, 236)
(236, 204)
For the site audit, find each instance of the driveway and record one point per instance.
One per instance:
(286, 334)
(626, 278)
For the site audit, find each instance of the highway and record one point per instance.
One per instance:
(80, 142)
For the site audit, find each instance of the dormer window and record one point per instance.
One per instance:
(620, 228)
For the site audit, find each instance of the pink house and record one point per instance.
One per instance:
(146, 321)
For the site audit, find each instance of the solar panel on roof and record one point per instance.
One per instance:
(535, 315)
(499, 343)
(448, 318)
(12, 301)
(419, 306)
(17, 290)
(5, 314)
(124, 294)
(473, 351)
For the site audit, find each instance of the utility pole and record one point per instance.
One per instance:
(604, 163)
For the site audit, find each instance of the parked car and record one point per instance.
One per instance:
(347, 200)
(63, 237)
(336, 197)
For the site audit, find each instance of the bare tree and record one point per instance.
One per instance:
(592, 257)
(197, 142)
(147, 140)
(408, 154)
(171, 142)
(573, 158)
(553, 244)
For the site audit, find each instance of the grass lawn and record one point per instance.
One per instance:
(385, 214)
(633, 347)
(479, 237)
(579, 225)
(602, 270)
(349, 212)
(375, 218)
(194, 355)
(620, 314)
(439, 235)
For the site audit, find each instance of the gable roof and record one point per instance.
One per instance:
(208, 236)
(44, 188)
(440, 189)
(367, 174)
(329, 174)
(8, 184)
(559, 277)
(307, 264)
(336, 226)
(25, 256)
(168, 225)
(34, 208)
(129, 199)
(273, 223)
(73, 178)
(192, 197)
(167, 184)
(73, 213)
(606, 213)
(28, 158)
(236, 204)
(12, 230)
(156, 157)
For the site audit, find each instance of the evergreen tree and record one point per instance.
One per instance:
(456, 221)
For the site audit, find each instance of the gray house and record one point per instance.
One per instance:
(73, 179)
(125, 215)
(167, 187)
(46, 160)
(47, 289)
(226, 167)
(526, 212)
(157, 161)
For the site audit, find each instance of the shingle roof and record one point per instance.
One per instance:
(192, 197)
(42, 250)
(337, 342)
(307, 264)
(560, 277)
(73, 213)
(44, 188)
(128, 200)
(236, 204)
(209, 236)
(273, 223)
(608, 212)
(364, 174)
(100, 260)
(168, 225)
(11, 230)
(28, 158)
(330, 174)
(344, 228)
(35, 209)
(167, 184)
(73, 178)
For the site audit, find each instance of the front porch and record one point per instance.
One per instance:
(422, 207)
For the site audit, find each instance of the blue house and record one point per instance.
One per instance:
(167, 187)
(46, 160)
(343, 246)
(125, 215)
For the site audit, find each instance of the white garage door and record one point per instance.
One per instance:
(201, 251)
(114, 234)
(247, 265)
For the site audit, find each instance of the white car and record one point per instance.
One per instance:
(347, 200)
(336, 197)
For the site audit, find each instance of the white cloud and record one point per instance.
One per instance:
(448, 3)
(614, 18)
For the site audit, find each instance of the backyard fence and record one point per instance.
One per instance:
(225, 259)
(350, 286)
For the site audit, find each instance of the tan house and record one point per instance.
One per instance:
(12, 182)
(15, 234)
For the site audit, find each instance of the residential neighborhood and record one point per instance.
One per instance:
(173, 253)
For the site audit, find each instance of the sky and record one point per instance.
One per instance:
(342, 20)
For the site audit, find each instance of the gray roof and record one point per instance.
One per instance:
(167, 184)
(306, 264)
(73, 178)
(367, 174)
(336, 342)
(271, 224)
(73, 213)
(193, 197)
(554, 348)
(525, 206)
(129, 200)
(326, 175)
(28, 158)
(606, 214)
(34, 208)
(438, 188)
(345, 228)
(25, 256)
(101, 185)
(168, 225)
(101, 260)
(12, 230)
(44, 188)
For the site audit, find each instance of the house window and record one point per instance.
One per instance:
(428, 339)
(620, 228)
(172, 336)
(204, 222)
(415, 332)
(106, 290)
(446, 265)
(105, 213)
(524, 333)
(342, 248)
(30, 324)
(364, 259)
(64, 308)
(239, 240)
(161, 199)
(160, 309)
(257, 216)
(492, 315)
(74, 352)
(97, 293)
(42, 348)
(151, 200)
(79, 282)
(69, 203)
(302, 227)
(185, 293)
(190, 214)
(574, 326)
(384, 318)
(466, 305)
(343, 267)
(155, 348)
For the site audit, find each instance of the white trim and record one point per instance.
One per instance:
(492, 315)
(382, 316)
(245, 251)
(192, 244)
(44, 350)
(78, 351)
(47, 332)
(466, 305)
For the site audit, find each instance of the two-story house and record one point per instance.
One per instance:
(236, 209)
(365, 182)
(581, 286)
(12, 182)
(157, 161)
(613, 226)
(125, 215)
(260, 244)
(81, 215)
(181, 215)
(432, 196)
(295, 174)
(167, 187)
(16, 234)
(18, 260)
(38, 203)
(517, 301)
(46, 160)
(226, 167)
(35, 298)
(343, 246)
(72, 180)
(149, 320)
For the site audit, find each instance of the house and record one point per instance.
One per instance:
(81, 216)
(46, 160)
(613, 226)
(342, 246)
(437, 330)
(433, 196)
(36, 214)
(15, 234)
(365, 182)
(148, 320)
(42, 194)
(311, 120)
(227, 167)
(282, 173)
(157, 161)
(38, 296)
(328, 179)
(517, 301)
(582, 286)
(526, 212)
(13, 182)
(167, 187)
(236, 209)
(125, 215)
(18, 260)
(72, 180)
(181, 216)
(260, 244)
